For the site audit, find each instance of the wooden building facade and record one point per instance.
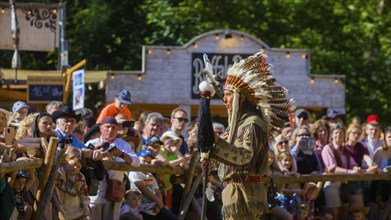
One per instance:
(170, 74)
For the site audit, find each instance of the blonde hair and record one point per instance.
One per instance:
(278, 139)
(289, 156)
(22, 129)
(273, 166)
(349, 130)
(311, 186)
(73, 154)
(365, 126)
(296, 132)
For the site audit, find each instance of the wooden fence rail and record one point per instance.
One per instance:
(123, 166)
(332, 177)
(188, 198)
(34, 163)
(28, 164)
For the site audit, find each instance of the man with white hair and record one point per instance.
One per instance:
(152, 126)
(120, 151)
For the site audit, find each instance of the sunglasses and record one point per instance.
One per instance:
(182, 119)
(283, 142)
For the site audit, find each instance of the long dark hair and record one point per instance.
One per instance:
(36, 122)
(384, 142)
(246, 107)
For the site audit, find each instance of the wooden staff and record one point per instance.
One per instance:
(189, 198)
(47, 193)
(43, 179)
(190, 175)
(196, 207)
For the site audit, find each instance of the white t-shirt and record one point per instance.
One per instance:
(126, 208)
(150, 183)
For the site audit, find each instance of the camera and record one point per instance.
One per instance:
(105, 146)
(307, 143)
(65, 140)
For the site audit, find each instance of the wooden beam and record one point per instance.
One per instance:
(47, 192)
(196, 207)
(189, 198)
(12, 94)
(190, 176)
(148, 168)
(43, 180)
(28, 164)
(331, 177)
(68, 74)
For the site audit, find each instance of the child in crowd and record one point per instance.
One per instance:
(310, 193)
(22, 183)
(152, 206)
(357, 213)
(274, 169)
(170, 153)
(286, 165)
(73, 189)
(272, 190)
(132, 204)
(302, 212)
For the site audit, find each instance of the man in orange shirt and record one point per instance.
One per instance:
(120, 105)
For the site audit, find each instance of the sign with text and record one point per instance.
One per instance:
(78, 90)
(220, 62)
(43, 89)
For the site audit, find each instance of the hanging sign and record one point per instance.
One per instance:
(43, 89)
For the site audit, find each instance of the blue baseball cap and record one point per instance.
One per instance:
(152, 140)
(145, 153)
(123, 96)
(18, 105)
(22, 174)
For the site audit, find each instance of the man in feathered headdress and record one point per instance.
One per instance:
(257, 109)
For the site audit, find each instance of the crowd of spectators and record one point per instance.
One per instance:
(85, 190)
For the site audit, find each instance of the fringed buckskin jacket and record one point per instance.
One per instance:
(246, 156)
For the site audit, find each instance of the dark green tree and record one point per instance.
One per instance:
(351, 37)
